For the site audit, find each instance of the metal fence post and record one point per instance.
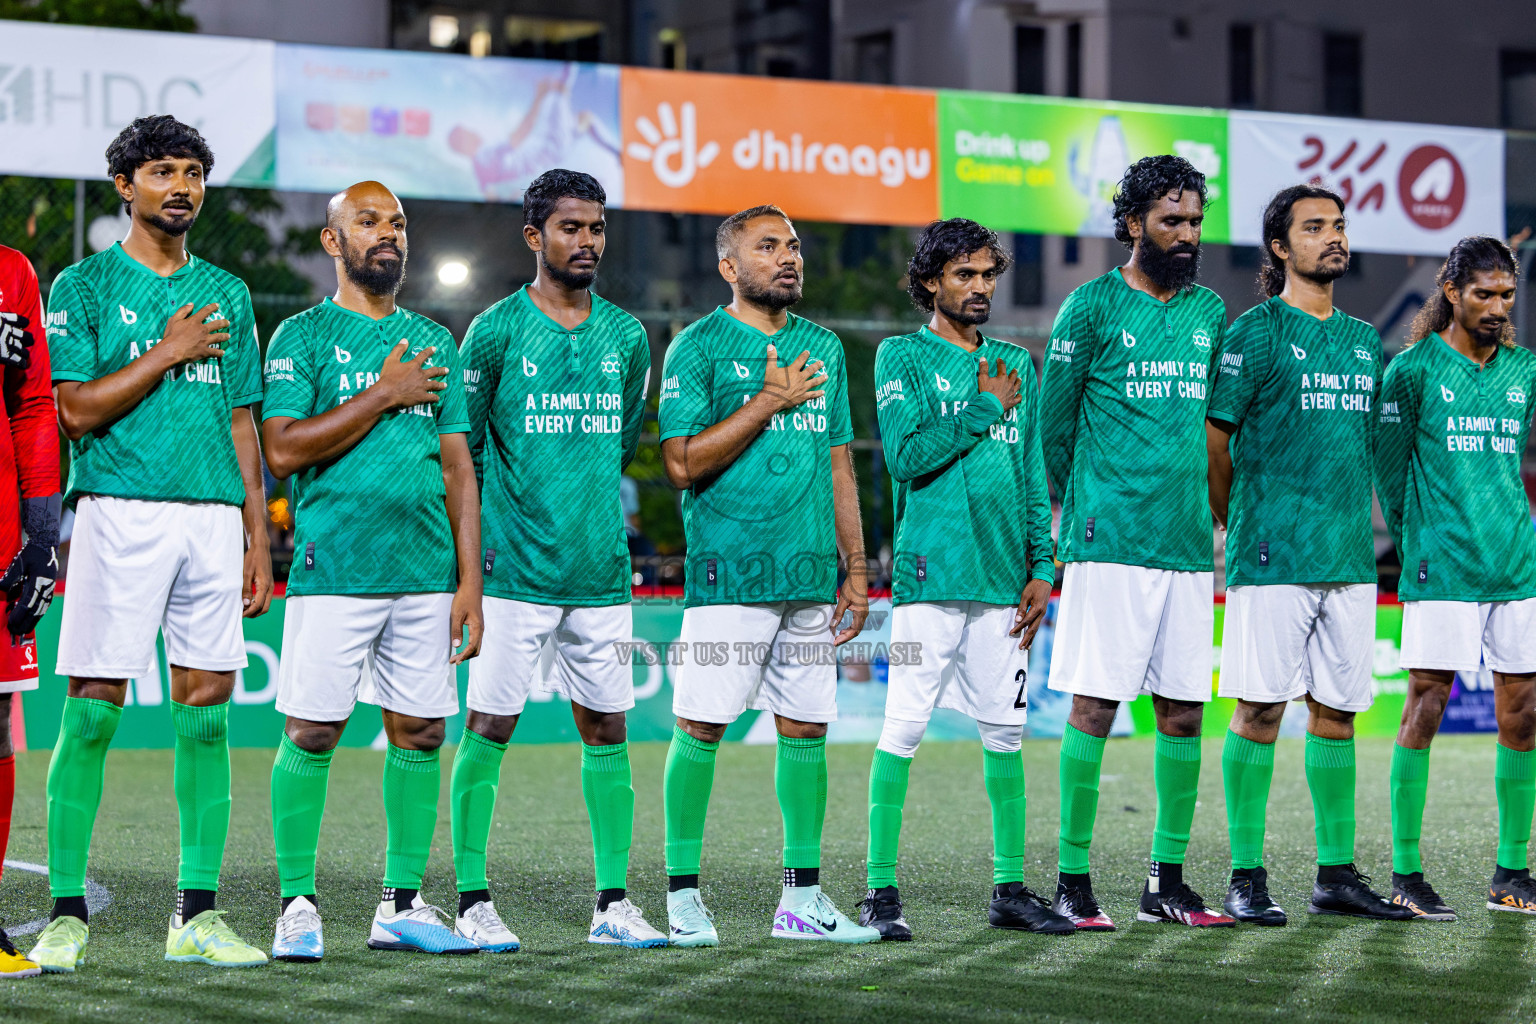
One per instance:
(79, 220)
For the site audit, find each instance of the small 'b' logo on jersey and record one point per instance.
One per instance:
(940, 383)
(1298, 352)
(342, 355)
(1447, 394)
(1127, 338)
(741, 371)
(529, 368)
(128, 315)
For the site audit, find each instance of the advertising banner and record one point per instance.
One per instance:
(1408, 188)
(701, 143)
(66, 91)
(441, 126)
(1050, 166)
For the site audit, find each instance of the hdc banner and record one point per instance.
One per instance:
(1408, 188)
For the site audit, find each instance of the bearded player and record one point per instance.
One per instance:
(155, 369)
(1123, 420)
(1292, 404)
(555, 378)
(1455, 419)
(760, 450)
(365, 408)
(29, 520)
(973, 565)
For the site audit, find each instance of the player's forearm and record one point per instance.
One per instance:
(845, 509)
(1218, 457)
(463, 500)
(248, 454)
(294, 445)
(929, 449)
(85, 406)
(711, 451)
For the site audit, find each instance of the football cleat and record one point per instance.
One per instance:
(1076, 904)
(881, 910)
(1180, 906)
(622, 925)
(1352, 896)
(1517, 894)
(1419, 896)
(1248, 899)
(61, 945)
(418, 929)
(818, 920)
(689, 920)
(1016, 906)
(299, 939)
(208, 939)
(481, 925)
(12, 963)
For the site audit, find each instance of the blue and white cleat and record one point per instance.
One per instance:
(818, 920)
(622, 925)
(481, 925)
(418, 930)
(299, 940)
(689, 920)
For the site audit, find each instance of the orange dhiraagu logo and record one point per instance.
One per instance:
(701, 143)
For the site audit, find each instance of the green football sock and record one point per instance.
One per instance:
(412, 779)
(201, 781)
(1330, 767)
(74, 789)
(690, 775)
(800, 780)
(887, 797)
(1003, 774)
(610, 794)
(1082, 756)
(299, 780)
(1246, 770)
(472, 790)
(1514, 782)
(1410, 785)
(1176, 776)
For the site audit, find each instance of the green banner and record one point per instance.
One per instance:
(1049, 166)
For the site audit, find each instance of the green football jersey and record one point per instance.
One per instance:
(1123, 423)
(973, 513)
(375, 519)
(174, 445)
(554, 415)
(1302, 394)
(1448, 452)
(763, 530)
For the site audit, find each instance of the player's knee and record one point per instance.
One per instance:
(315, 737)
(1251, 715)
(1093, 715)
(704, 732)
(1001, 739)
(901, 738)
(496, 728)
(1517, 727)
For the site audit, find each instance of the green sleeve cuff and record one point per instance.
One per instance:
(981, 412)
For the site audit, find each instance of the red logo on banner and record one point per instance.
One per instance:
(1432, 187)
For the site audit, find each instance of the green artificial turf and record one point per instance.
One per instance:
(1480, 968)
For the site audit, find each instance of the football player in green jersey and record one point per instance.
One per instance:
(1123, 421)
(1455, 420)
(155, 370)
(959, 421)
(760, 449)
(555, 381)
(365, 409)
(1290, 429)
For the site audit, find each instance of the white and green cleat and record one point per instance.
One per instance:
(206, 939)
(61, 945)
(689, 920)
(817, 920)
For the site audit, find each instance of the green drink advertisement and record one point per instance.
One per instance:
(1049, 166)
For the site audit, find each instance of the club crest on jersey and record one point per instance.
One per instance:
(1298, 352)
(529, 368)
(1127, 338)
(610, 366)
(1201, 338)
(342, 355)
(128, 315)
(741, 371)
(939, 382)
(1516, 395)
(1447, 394)
(1361, 353)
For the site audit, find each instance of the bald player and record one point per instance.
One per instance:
(364, 409)
(155, 367)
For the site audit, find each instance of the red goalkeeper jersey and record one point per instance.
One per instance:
(29, 432)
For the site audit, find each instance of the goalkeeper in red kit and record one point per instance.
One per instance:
(29, 518)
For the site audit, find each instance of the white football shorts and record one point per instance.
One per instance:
(1461, 636)
(969, 663)
(774, 657)
(586, 667)
(1282, 640)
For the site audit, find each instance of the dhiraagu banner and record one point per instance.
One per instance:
(1049, 166)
